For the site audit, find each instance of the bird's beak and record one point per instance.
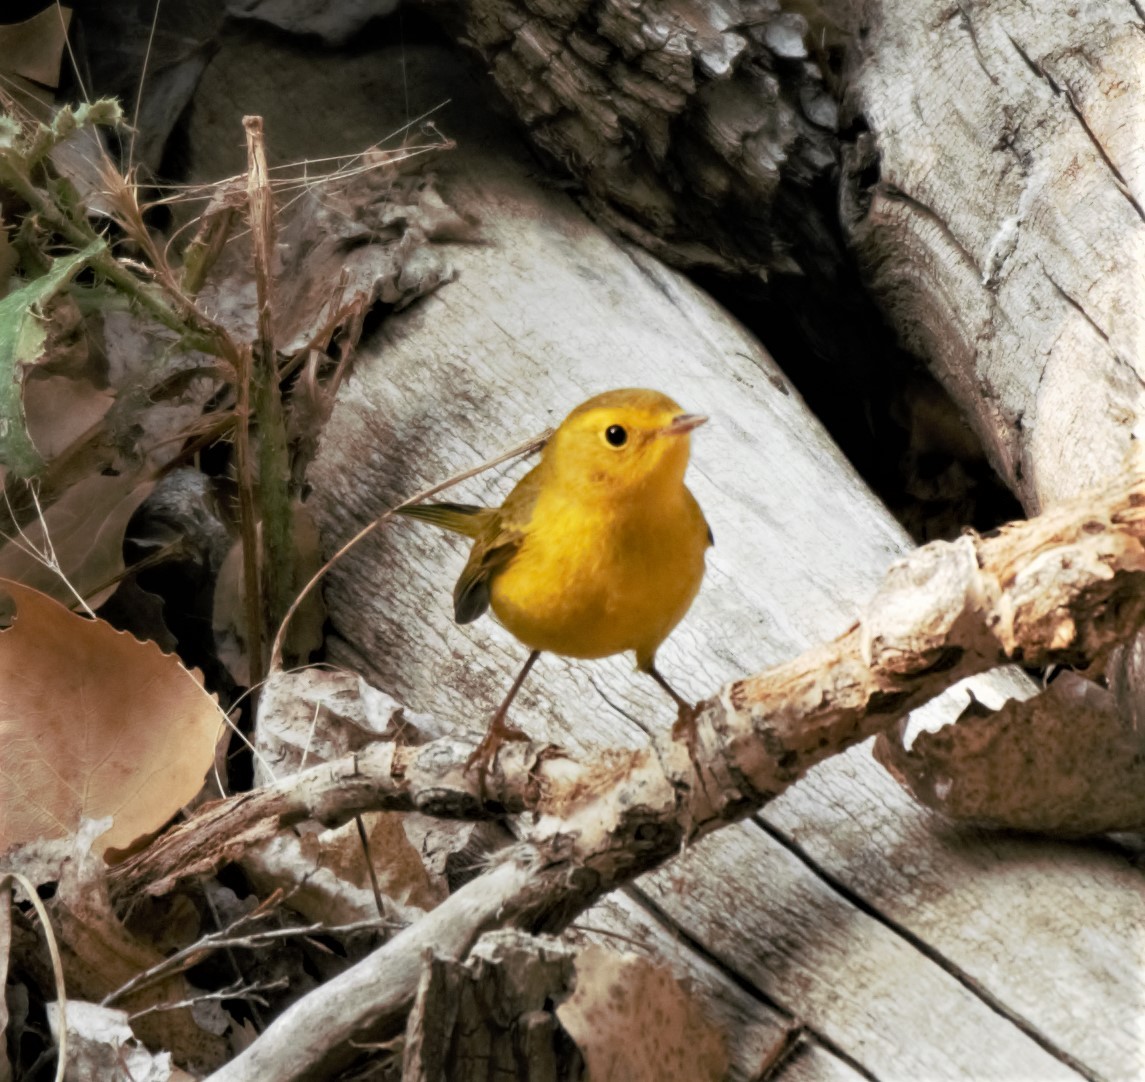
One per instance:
(683, 424)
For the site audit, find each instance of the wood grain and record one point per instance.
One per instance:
(995, 199)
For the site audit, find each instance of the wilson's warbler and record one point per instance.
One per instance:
(599, 549)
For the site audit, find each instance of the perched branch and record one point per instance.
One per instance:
(1066, 587)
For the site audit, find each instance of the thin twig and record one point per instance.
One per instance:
(278, 557)
(239, 975)
(5, 957)
(29, 889)
(139, 89)
(46, 557)
(71, 55)
(364, 841)
(248, 514)
(226, 939)
(238, 990)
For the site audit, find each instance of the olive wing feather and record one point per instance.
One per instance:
(497, 533)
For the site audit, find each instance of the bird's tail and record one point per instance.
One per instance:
(463, 518)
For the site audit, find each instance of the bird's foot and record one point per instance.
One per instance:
(687, 715)
(485, 753)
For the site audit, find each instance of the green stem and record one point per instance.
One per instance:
(80, 234)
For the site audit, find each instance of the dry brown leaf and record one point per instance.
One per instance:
(94, 723)
(86, 527)
(60, 411)
(1063, 762)
(312, 716)
(634, 1023)
(401, 874)
(35, 47)
(100, 955)
(349, 243)
(161, 390)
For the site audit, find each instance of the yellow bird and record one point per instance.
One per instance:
(598, 549)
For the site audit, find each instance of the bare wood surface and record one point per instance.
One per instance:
(753, 1028)
(863, 987)
(995, 906)
(1008, 254)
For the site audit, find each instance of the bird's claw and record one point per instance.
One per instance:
(687, 715)
(485, 753)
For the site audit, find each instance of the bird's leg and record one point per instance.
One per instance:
(499, 729)
(685, 711)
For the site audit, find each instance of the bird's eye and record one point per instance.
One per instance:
(616, 435)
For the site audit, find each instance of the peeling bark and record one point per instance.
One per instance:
(493, 1014)
(699, 130)
(993, 195)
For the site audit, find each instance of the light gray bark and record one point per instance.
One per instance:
(996, 206)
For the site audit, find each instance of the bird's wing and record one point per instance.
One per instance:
(494, 548)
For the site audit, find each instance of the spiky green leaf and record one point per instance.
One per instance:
(22, 338)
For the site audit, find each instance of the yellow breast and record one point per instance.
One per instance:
(593, 578)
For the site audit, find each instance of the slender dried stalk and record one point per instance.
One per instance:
(273, 458)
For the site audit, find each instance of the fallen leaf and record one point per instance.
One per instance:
(101, 1045)
(161, 390)
(311, 716)
(100, 955)
(94, 723)
(59, 411)
(35, 47)
(86, 527)
(401, 875)
(633, 1022)
(373, 235)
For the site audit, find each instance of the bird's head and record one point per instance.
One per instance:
(624, 440)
